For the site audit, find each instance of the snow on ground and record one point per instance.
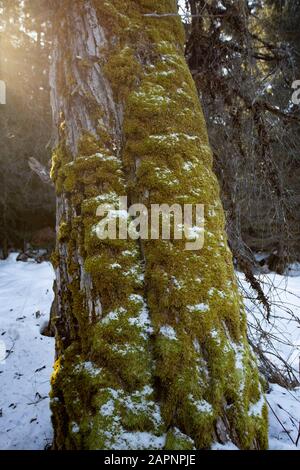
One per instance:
(280, 334)
(284, 418)
(26, 357)
(279, 338)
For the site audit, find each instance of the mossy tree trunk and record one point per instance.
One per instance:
(150, 338)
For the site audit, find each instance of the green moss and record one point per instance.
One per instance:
(54, 258)
(63, 232)
(88, 145)
(60, 157)
(123, 71)
(176, 440)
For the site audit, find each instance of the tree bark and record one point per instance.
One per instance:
(128, 122)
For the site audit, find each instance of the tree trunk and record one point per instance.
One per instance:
(4, 247)
(150, 338)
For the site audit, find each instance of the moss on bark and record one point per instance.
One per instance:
(121, 381)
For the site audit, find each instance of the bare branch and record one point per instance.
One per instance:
(167, 15)
(40, 170)
(160, 15)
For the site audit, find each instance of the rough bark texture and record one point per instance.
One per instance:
(151, 338)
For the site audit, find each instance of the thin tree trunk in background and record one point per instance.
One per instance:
(4, 241)
(4, 246)
(150, 338)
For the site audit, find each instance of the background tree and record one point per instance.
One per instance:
(244, 62)
(25, 126)
(150, 338)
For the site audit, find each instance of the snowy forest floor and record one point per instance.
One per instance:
(26, 357)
